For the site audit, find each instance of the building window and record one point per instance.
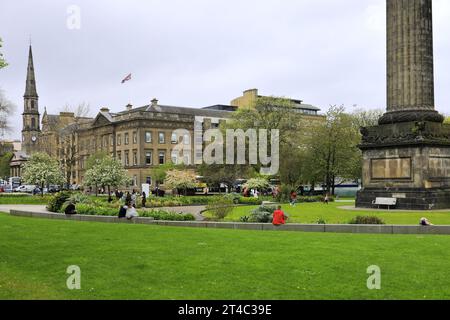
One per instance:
(187, 159)
(119, 139)
(135, 137)
(174, 138)
(174, 157)
(105, 141)
(135, 158)
(162, 157)
(127, 139)
(32, 104)
(33, 123)
(119, 156)
(148, 158)
(148, 137)
(111, 140)
(127, 158)
(162, 138)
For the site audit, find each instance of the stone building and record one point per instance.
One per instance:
(139, 137)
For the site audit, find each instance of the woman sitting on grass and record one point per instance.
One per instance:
(424, 222)
(132, 212)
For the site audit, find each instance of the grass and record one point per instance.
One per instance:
(332, 214)
(24, 199)
(151, 262)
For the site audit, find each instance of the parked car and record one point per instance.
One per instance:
(53, 189)
(25, 188)
(7, 188)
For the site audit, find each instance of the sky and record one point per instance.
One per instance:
(197, 53)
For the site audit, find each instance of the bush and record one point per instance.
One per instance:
(166, 216)
(250, 201)
(366, 220)
(263, 214)
(321, 221)
(221, 208)
(57, 201)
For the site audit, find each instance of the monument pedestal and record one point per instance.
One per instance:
(409, 161)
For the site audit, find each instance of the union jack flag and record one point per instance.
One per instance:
(127, 78)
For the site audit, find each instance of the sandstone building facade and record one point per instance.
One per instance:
(140, 138)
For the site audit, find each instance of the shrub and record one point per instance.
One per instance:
(166, 216)
(57, 201)
(321, 221)
(250, 201)
(221, 208)
(263, 214)
(245, 219)
(366, 220)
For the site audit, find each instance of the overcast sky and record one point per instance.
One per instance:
(203, 52)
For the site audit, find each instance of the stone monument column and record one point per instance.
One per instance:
(410, 72)
(407, 156)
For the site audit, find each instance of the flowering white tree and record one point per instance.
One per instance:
(106, 172)
(42, 170)
(180, 180)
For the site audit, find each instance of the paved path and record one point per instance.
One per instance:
(25, 207)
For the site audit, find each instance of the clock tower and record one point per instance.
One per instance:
(31, 117)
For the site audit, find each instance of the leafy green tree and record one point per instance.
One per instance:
(5, 159)
(277, 113)
(332, 151)
(2, 60)
(159, 173)
(42, 170)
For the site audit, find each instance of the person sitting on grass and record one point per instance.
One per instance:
(293, 198)
(132, 212)
(279, 218)
(424, 222)
(70, 209)
(123, 210)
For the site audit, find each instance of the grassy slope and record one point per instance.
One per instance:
(311, 212)
(24, 200)
(150, 262)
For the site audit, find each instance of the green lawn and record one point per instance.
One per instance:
(27, 199)
(120, 261)
(311, 212)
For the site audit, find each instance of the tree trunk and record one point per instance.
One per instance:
(42, 190)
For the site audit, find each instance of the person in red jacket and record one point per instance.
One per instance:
(279, 218)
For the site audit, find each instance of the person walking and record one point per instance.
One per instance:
(144, 199)
(293, 198)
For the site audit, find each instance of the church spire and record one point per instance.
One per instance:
(30, 89)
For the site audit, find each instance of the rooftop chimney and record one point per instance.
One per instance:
(104, 109)
(155, 102)
(129, 107)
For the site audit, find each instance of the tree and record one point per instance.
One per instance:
(366, 118)
(332, 151)
(181, 180)
(5, 159)
(277, 113)
(6, 109)
(42, 170)
(257, 184)
(2, 60)
(214, 175)
(159, 173)
(105, 172)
